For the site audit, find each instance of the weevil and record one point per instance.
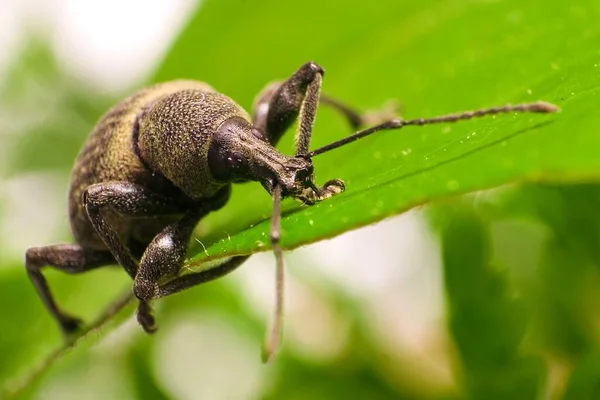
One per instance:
(161, 160)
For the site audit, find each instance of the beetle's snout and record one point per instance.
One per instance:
(297, 175)
(304, 177)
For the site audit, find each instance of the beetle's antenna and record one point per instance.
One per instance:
(274, 333)
(537, 107)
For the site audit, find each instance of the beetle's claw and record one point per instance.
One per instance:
(329, 189)
(145, 317)
(334, 186)
(70, 325)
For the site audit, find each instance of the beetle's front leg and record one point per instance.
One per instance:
(147, 289)
(128, 199)
(314, 194)
(279, 104)
(164, 257)
(161, 261)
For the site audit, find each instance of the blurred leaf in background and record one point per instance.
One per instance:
(521, 280)
(520, 264)
(486, 319)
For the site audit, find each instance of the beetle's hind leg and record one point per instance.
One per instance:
(69, 258)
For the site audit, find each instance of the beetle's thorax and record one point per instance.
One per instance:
(174, 135)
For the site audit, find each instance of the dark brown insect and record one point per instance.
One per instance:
(162, 159)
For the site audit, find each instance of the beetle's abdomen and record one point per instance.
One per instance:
(109, 154)
(175, 133)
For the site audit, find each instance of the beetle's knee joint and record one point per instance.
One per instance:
(70, 325)
(314, 68)
(32, 259)
(91, 196)
(145, 317)
(144, 289)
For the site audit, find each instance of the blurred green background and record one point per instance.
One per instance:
(488, 295)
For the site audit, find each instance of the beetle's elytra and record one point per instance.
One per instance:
(162, 159)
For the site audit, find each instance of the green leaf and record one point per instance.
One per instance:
(584, 382)
(437, 57)
(565, 292)
(521, 273)
(144, 380)
(434, 56)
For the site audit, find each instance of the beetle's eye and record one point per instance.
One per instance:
(236, 161)
(227, 165)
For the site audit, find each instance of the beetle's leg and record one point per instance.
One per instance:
(264, 103)
(329, 189)
(193, 279)
(135, 201)
(178, 284)
(147, 290)
(165, 254)
(69, 258)
(390, 109)
(127, 199)
(273, 337)
(162, 260)
(278, 106)
(353, 116)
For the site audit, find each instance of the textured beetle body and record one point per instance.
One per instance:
(161, 160)
(146, 139)
(155, 165)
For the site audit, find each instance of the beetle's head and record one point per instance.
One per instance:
(239, 152)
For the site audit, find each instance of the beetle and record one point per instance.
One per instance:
(159, 161)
